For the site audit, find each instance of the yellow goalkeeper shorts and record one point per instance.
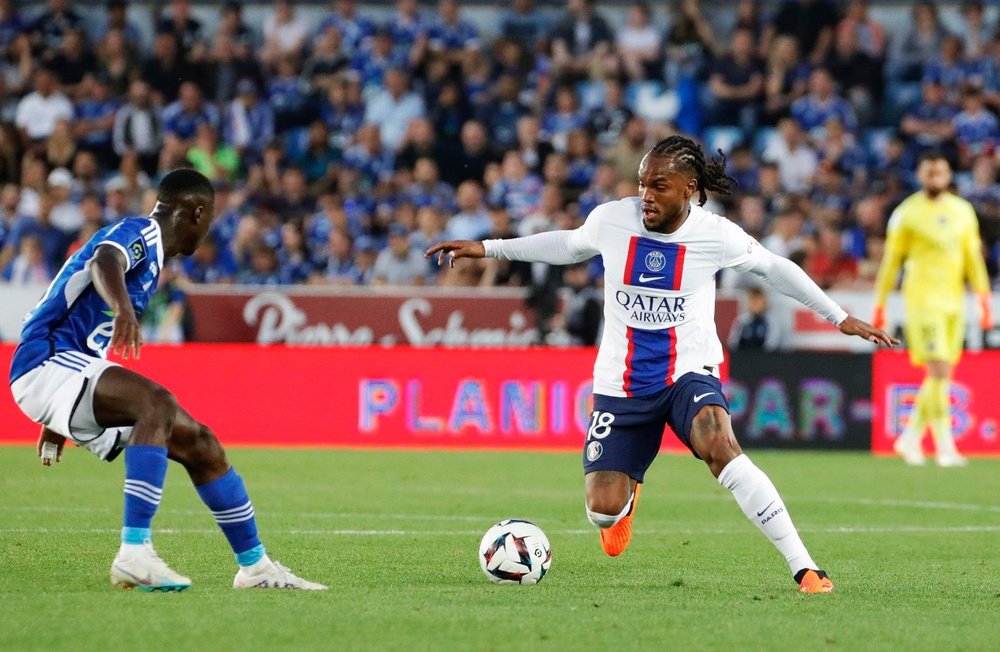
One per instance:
(934, 337)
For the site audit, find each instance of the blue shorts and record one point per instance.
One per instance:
(624, 434)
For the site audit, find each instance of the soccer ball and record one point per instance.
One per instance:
(515, 552)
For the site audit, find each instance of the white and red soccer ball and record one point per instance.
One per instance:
(515, 552)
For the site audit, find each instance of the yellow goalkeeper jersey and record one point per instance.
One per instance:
(936, 241)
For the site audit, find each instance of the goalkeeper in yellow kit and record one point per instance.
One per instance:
(934, 236)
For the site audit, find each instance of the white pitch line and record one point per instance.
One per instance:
(889, 529)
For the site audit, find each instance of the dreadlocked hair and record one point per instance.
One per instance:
(688, 155)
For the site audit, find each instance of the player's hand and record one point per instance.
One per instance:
(878, 317)
(47, 437)
(456, 249)
(854, 326)
(126, 336)
(985, 312)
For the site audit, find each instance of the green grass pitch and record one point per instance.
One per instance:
(914, 554)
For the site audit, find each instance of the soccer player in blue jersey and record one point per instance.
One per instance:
(60, 378)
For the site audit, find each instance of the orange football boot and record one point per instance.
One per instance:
(614, 540)
(815, 581)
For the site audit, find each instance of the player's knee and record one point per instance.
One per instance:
(205, 447)
(161, 409)
(712, 438)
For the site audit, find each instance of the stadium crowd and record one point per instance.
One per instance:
(341, 148)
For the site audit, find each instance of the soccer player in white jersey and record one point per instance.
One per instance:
(658, 362)
(60, 378)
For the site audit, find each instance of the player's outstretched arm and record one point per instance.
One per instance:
(107, 269)
(854, 326)
(456, 249)
(50, 446)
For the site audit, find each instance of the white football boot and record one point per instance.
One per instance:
(267, 574)
(909, 449)
(139, 567)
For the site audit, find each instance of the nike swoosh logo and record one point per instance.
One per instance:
(698, 397)
(647, 279)
(761, 512)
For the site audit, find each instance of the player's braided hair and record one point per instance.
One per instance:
(687, 154)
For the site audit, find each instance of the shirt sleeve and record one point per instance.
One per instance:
(134, 238)
(743, 253)
(897, 244)
(553, 247)
(975, 266)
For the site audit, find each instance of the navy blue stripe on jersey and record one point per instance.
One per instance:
(67, 365)
(654, 264)
(79, 357)
(650, 361)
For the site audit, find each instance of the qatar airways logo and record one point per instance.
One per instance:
(650, 309)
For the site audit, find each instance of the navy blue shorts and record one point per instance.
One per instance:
(624, 434)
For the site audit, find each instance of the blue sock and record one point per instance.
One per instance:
(145, 471)
(233, 511)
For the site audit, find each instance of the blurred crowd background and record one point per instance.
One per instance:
(344, 138)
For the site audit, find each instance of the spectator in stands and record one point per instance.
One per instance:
(821, 103)
(471, 221)
(53, 241)
(811, 22)
(518, 190)
(39, 111)
(94, 117)
(949, 65)
(355, 29)
(582, 314)
(790, 151)
(580, 159)
(930, 124)
(50, 26)
(736, 84)
(858, 75)
(224, 69)
(530, 145)
(472, 157)
(60, 148)
(337, 262)
(501, 114)
(215, 160)
(65, 215)
(165, 69)
(233, 28)
(785, 237)
(839, 147)
(523, 23)
(984, 195)
(399, 264)
(12, 24)
(976, 128)
(868, 33)
(392, 108)
(285, 34)
(293, 257)
(72, 60)
(263, 267)
(563, 118)
(581, 42)
(690, 40)
(608, 120)
(427, 189)
(787, 79)
(976, 30)
(248, 122)
(366, 253)
(409, 30)
(17, 67)
(118, 65)
(294, 201)
(640, 44)
(628, 152)
(430, 230)
(600, 190)
(93, 221)
(165, 318)
(187, 31)
(138, 127)
(29, 266)
(326, 61)
(829, 265)
(116, 20)
(182, 118)
(133, 182)
(343, 110)
(451, 35)
(755, 329)
(10, 150)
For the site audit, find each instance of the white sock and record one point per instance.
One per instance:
(604, 521)
(760, 501)
(130, 549)
(262, 563)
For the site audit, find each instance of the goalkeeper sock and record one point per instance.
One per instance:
(918, 416)
(941, 423)
(759, 500)
(233, 511)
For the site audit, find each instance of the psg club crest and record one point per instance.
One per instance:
(655, 261)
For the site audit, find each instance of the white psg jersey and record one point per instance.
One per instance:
(659, 289)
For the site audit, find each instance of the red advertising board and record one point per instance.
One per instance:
(422, 317)
(527, 398)
(975, 412)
